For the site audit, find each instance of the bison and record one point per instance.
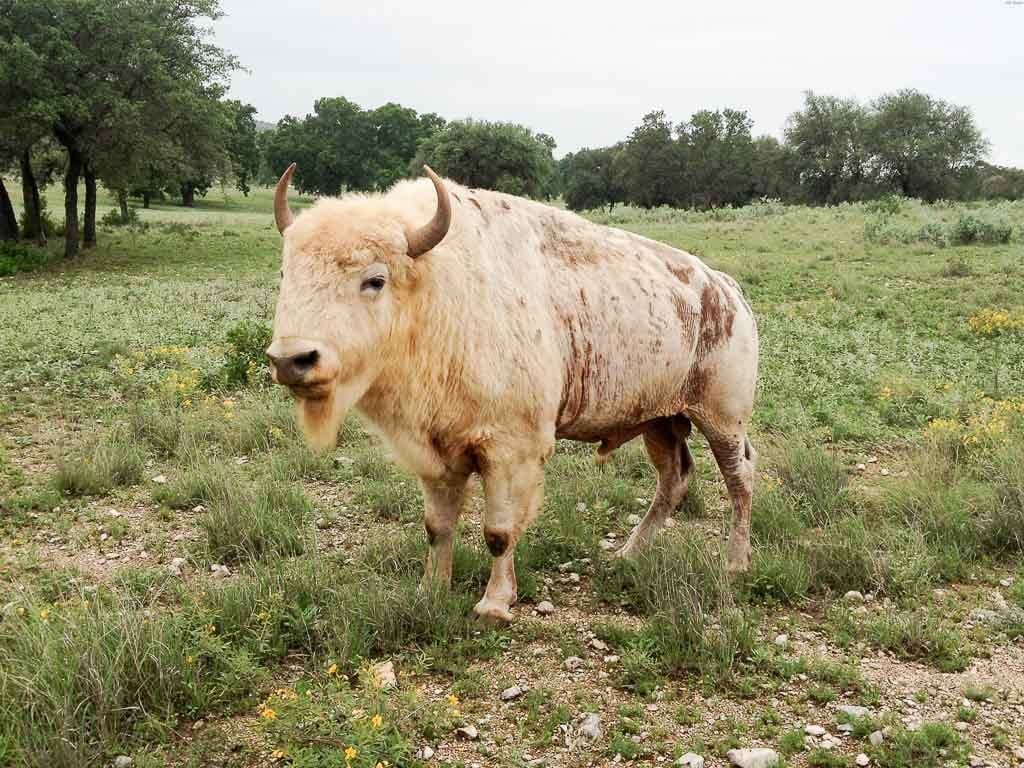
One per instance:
(471, 342)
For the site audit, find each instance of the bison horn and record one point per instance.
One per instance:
(282, 213)
(428, 236)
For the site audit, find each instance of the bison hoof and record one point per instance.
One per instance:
(492, 613)
(739, 558)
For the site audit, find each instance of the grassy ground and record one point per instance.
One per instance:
(141, 445)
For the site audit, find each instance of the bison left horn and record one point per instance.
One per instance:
(428, 236)
(282, 213)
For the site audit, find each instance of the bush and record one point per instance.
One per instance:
(971, 229)
(113, 218)
(105, 464)
(18, 257)
(246, 357)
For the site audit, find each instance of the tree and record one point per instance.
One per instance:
(592, 178)
(773, 171)
(397, 132)
(502, 156)
(651, 163)
(8, 221)
(243, 147)
(88, 67)
(922, 144)
(717, 152)
(829, 139)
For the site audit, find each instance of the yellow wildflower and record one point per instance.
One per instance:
(453, 699)
(263, 615)
(21, 610)
(351, 753)
(268, 714)
(332, 670)
(189, 659)
(376, 721)
(277, 754)
(45, 614)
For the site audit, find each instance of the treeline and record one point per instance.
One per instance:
(127, 94)
(834, 150)
(341, 146)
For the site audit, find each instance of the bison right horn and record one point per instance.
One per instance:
(428, 236)
(282, 213)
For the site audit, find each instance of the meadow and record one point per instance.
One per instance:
(183, 583)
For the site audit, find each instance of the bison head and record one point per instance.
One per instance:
(348, 277)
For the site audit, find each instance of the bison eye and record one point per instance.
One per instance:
(372, 285)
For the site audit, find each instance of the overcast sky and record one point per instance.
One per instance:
(586, 72)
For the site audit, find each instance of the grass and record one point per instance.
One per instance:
(144, 358)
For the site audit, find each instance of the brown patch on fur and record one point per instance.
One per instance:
(697, 384)
(682, 272)
(505, 205)
(616, 439)
(497, 543)
(576, 253)
(474, 202)
(717, 311)
(456, 197)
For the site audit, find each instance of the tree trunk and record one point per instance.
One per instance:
(71, 203)
(122, 203)
(89, 232)
(33, 207)
(145, 199)
(188, 195)
(8, 221)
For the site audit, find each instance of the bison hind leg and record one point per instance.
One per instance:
(665, 440)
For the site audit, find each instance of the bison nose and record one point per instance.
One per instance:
(293, 362)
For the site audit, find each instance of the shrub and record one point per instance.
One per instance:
(251, 524)
(246, 357)
(113, 218)
(971, 229)
(104, 464)
(19, 257)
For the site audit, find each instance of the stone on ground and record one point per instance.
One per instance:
(760, 757)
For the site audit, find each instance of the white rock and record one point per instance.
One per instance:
(1006, 582)
(598, 645)
(691, 760)
(861, 467)
(814, 730)
(853, 596)
(178, 566)
(961, 726)
(468, 732)
(1018, 752)
(876, 738)
(976, 761)
(782, 641)
(591, 726)
(424, 753)
(753, 758)
(611, 658)
(545, 608)
(384, 675)
(853, 711)
(198, 508)
(633, 520)
(844, 728)
(114, 513)
(574, 577)
(160, 479)
(1000, 602)
(219, 571)
(862, 760)
(513, 693)
(581, 507)
(573, 663)
(104, 536)
(607, 545)
(885, 473)
(122, 761)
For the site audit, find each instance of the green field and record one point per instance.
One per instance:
(141, 443)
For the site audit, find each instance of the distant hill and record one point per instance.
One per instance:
(262, 126)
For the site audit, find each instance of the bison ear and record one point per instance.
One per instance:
(431, 234)
(282, 213)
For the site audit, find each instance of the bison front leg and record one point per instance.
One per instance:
(513, 493)
(442, 504)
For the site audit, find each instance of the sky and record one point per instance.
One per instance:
(587, 72)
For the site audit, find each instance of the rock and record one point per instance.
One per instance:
(598, 645)
(691, 760)
(885, 473)
(1006, 583)
(178, 566)
(607, 545)
(853, 596)
(1018, 752)
(814, 730)
(611, 658)
(861, 467)
(574, 577)
(160, 479)
(590, 727)
(782, 641)
(513, 693)
(1000, 602)
(104, 536)
(424, 753)
(198, 508)
(844, 728)
(983, 615)
(545, 608)
(633, 520)
(961, 726)
(853, 711)
(468, 732)
(862, 760)
(384, 676)
(573, 663)
(753, 758)
(122, 761)
(581, 507)
(976, 761)
(219, 571)
(876, 738)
